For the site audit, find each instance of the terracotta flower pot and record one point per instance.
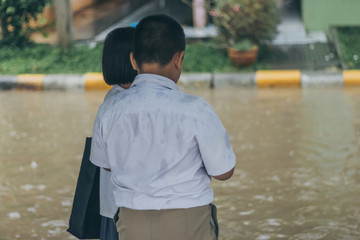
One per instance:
(241, 58)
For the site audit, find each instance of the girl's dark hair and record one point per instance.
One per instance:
(116, 63)
(156, 40)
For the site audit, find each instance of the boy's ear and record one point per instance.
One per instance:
(133, 62)
(179, 56)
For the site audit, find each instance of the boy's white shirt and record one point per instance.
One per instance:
(161, 145)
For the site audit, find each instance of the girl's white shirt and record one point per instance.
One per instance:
(107, 200)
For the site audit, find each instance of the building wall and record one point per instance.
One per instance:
(49, 11)
(321, 14)
(76, 5)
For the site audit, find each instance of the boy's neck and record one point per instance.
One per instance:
(165, 71)
(125, 86)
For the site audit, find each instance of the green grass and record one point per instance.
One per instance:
(41, 58)
(350, 46)
(202, 57)
(47, 59)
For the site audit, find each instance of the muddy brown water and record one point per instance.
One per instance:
(297, 175)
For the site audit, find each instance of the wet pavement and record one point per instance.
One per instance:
(292, 47)
(309, 56)
(297, 176)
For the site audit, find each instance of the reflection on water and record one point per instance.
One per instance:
(297, 176)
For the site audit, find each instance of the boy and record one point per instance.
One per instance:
(162, 145)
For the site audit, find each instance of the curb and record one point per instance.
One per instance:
(275, 78)
(260, 79)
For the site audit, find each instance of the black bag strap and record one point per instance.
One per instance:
(214, 219)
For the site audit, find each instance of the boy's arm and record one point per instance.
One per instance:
(225, 176)
(215, 147)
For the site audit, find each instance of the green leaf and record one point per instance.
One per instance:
(10, 10)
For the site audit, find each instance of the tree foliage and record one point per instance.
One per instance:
(15, 17)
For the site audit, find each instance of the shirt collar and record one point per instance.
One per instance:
(146, 78)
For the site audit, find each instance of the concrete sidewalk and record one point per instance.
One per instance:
(261, 78)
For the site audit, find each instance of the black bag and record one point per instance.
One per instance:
(85, 219)
(214, 220)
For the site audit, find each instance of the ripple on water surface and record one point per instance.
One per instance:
(297, 162)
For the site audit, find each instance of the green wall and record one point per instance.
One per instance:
(321, 14)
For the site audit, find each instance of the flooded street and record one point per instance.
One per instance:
(297, 175)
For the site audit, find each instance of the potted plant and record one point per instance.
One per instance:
(243, 53)
(244, 24)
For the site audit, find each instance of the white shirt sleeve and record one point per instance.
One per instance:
(98, 154)
(214, 145)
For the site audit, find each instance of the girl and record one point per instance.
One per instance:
(118, 72)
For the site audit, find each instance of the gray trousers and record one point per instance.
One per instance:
(198, 223)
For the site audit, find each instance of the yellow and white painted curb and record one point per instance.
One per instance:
(278, 78)
(95, 81)
(35, 81)
(260, 79)
(351, 77)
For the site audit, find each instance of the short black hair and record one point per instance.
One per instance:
(116, 65)
(156, 40)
